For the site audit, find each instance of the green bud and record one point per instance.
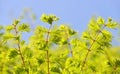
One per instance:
(100, 20)
(109, 19)
(49, 18)
(16, 22)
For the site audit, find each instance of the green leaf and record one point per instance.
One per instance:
(86, 35)
(109, 19)
(62, 27)
(27, 52)
(100, 21)
(117, 62)
(40, 44)
(112, 25)
(93, 68)
(40, 30)
(20, 70)
(24, 27)
(9, 28)
(17, 37)
(8, 36)
(107, 35)
(55, 69)
(40, 61)
(22, 42)
(94, 26)
(16, 22)
(13, 54)
(48, 18)
(72, 32)
(59, 37)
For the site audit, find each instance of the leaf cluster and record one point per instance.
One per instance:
(67, 52)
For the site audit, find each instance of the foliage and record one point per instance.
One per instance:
(58, 49)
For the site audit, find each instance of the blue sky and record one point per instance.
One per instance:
(74, 12)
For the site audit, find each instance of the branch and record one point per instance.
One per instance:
(19, 47)
(89, 49)
(47, 51)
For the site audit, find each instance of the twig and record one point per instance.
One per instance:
(19, 48)
(89, 49)
(47, 51)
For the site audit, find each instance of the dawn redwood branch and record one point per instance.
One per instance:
(89, 49)
(47, 51)
(19, 47)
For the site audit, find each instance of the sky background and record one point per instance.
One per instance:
(76, 13)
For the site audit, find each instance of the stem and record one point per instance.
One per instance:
(47, 51)
(89, 49)
(19, 47)
(71, 52)
(48, 62)
(48, 34)
(70, 47)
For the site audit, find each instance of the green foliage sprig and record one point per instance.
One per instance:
(59, 49)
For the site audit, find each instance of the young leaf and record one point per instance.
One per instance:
(9, 28)
(16, 22)
(13, 54)
(100, 21)
(8, 36)
(48, 18)
(24, 27)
